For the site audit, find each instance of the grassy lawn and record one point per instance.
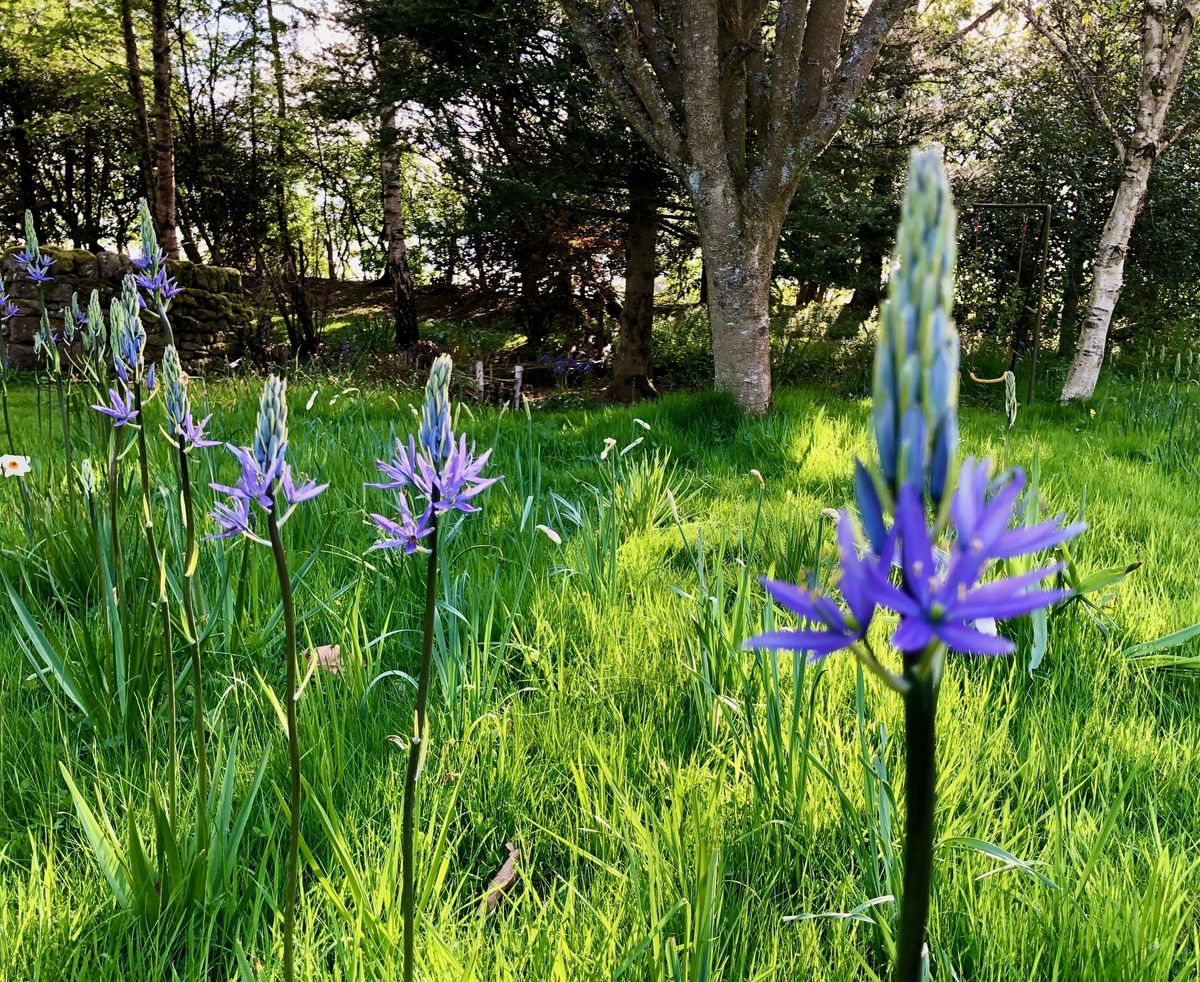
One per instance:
(680, 806)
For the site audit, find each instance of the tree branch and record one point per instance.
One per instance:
(1080, 78)
(629, 80)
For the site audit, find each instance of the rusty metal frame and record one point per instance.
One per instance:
(1047, 210)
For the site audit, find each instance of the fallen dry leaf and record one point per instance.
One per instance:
(501, 882)
(329, 657)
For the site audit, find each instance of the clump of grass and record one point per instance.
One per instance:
(649, 847)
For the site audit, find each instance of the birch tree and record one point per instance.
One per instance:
(737, 97)
(1137, 140)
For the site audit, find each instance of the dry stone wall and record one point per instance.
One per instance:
(211, 318)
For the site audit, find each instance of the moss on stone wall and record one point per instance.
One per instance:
(211, 317)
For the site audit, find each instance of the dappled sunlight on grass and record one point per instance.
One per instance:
(586, 736)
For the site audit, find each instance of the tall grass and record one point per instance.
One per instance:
(682, 810)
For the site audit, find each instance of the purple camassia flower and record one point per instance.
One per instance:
(942, 607)
(407, 533)
(294, 494)
(232, 518)
(408, 468)
(937, 602)
(460, 479)
(256, 485)
(160, 284)
(8, 308)
(149, 260)
(838, 628)
(192, 433)
(443, 474)
(120, 409)
(458, 482)
(36, 268)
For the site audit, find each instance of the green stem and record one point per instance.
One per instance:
(114, 481)
(161, 312)
(920, 774)
(8, 433)
(160, 585)
(190, 560)
(416, 754)
(65, 416)
(289, 621)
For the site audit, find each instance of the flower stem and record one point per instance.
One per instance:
(416, 755)
(189, 613)
(920, 774)
(289, 621)
(65, 416)
(114, 481)
(160, 583)
(8, 433)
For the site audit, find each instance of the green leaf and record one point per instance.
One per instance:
(1104, 578)
(1162, 644)
(104, 847)
(1001, 855)
(48, 651)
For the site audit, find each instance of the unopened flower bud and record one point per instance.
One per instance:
(916, 363)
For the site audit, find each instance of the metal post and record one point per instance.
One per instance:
(1044, 260)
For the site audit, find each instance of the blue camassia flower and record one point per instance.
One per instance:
(120, 408)
(159, 284)
(442, 471)
(35, 266)
(406, 533)
(264, 471)
(939, 600)
(836, 628)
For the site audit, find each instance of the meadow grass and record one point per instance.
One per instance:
(683, 809)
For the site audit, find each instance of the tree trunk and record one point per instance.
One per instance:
(738, 268)
(404, 308)
(632, 366)
(301, 335)
(1072, 293)
(140, 121)
(164, 146)
(1108, 276)
(26, 165)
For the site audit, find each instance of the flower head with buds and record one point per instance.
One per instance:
(916, 358)
(87, 478)
(941, 595)
(440, 471)
(184, 432)
(129, 338)
(94, 337)
(265, 474)
(436, 438)
(157, 286)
